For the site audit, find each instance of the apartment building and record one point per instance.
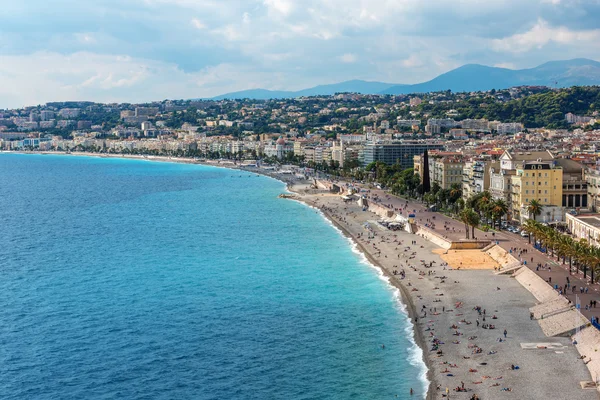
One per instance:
(402, 153)
(575, 187)
(476, 176)
(446, 171)
(537, 180)
(592, 178)
(501, 177)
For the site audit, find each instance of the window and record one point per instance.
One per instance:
(555, 187)
(539, 192)
(546, 174)
(539, 174)
(527, 192)
(545, 192)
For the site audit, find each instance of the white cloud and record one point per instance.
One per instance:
(196, 48)
(43, 77)
(348, 58)
(413, 61)
(542, 34)
(86, 38)
(198, 24)
(283, 7)
(507, 65)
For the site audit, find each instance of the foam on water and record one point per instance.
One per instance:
(416, 353)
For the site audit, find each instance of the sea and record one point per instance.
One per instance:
(133, 279)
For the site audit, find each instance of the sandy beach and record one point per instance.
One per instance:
(453, 310)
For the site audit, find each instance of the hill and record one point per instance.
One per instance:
(353, 86)
(475, 77)
(468, 78)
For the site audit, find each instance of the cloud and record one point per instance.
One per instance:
(151, 49)
(542, 34)
(348, 58)
(505, 65)
(44, 77)
(283, 7)
(198, 24)
(412, 61)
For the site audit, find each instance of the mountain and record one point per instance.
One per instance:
(475, 77)
(354, 86)
(468, 78)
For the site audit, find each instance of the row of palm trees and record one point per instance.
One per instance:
(578, 253)
(479, 207)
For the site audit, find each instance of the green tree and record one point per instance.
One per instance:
(534, 208)
(498, 209)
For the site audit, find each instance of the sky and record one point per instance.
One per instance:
(144, 50)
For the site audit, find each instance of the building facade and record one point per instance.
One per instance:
(541, 181)
(402, 153)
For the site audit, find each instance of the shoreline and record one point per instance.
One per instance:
(475, 289)
(405, 298)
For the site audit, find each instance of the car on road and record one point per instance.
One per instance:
(524, 233)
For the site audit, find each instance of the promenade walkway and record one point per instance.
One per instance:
(454, 230)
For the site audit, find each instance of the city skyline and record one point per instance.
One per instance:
(148, 50)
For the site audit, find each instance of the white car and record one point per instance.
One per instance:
(524, 233)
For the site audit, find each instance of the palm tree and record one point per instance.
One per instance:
(455, 192)
(498, 208)
(533, 228)
(584, 255)
(483, 204)
(464, 217)
(595, 254)
(473, 221)
(534, 208)
(564, 247)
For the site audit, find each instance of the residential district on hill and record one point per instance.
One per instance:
(520, 145)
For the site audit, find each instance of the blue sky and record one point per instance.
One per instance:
(143, 50)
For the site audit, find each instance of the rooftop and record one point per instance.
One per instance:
(590, 219)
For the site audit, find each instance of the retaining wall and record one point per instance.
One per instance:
(383, 212)
(588, 344)
(433, 237)
(502, 257)
(538, 287)
(469, 245)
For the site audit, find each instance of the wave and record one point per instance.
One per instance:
(416, 355)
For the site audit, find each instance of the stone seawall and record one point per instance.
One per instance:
(502, 257)
(381, 211)
(469, 245)
(433, 237)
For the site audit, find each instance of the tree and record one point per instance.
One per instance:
(464, 217)
(473, 220)
(534, 208)
(532, 227)
(498, 209)
(426, 180)
(455, 192)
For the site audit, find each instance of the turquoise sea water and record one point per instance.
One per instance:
(143, 280)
